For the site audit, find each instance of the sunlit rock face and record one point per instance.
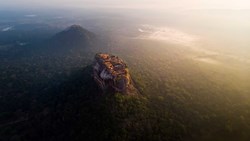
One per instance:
(111, 72)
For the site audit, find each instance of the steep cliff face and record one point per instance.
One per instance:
(111, 72)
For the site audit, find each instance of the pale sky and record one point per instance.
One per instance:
(161, 4)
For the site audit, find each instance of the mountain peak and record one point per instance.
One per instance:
(77, 30)
(75, 27)
(75, 35)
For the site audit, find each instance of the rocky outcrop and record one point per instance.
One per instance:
(112, 72)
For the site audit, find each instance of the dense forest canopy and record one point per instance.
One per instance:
(188, 88)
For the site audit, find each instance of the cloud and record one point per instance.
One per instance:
(166, 34)
(7, 29)
(156, 4)
(30, 15)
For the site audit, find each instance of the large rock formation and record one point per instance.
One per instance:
(111, 72)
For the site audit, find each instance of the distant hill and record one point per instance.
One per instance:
(74, 36)
(74, 40)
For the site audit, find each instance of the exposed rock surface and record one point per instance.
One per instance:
(112, 72)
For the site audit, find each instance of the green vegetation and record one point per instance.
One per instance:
(55, 98)
(204, 101)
